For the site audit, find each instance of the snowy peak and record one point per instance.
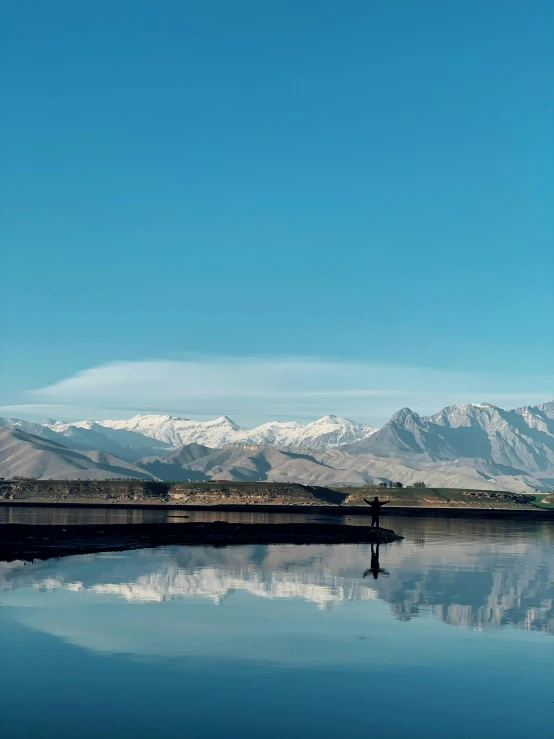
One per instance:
(544, 411)
(404, 415)
(175, 431)
(466, 414)
(547, 409)
(331, 431)
(36, 429)
(29, 455)
(122, 442)
(520, 440)
(288, 425)
(282, 433)
(333, 421)
(224, 421)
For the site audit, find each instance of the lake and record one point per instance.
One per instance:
(449, 634)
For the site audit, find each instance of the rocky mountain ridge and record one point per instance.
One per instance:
(517, 440)
(329, 431)
(472, 445)
(26, 455)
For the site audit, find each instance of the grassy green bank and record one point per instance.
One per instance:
(450, 498)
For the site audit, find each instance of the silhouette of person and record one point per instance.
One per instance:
(376, 505)
(374, 567)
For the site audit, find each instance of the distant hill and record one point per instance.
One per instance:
(86, 435)
(26, 455)
(328, 468)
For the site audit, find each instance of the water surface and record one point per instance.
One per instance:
(452, 635)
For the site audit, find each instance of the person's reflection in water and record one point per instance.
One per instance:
(374, 568)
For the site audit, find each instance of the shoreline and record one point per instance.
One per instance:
(28, 542)
(333, 510)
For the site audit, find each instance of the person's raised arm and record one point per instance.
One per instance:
(383, 502)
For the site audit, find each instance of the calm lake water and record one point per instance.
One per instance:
(455, 638)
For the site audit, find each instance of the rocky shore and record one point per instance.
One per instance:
(30, 542)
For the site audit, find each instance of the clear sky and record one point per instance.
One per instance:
(345, 207)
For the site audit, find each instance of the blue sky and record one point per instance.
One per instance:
(267, 187)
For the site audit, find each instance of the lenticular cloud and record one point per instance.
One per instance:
(290, 387)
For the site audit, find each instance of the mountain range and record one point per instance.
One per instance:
(471, 445)
(173, 431)
(25, 455)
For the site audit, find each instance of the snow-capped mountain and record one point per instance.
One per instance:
(37, 429)
(153, 435)
(329, 431)
(124, 443)
(517, 440)
(471, 445)
(326, 433)
(177, 431)
(28, 455)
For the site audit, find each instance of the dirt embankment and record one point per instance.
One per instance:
(181, 493)
(150, 492)
(441, 498)
(28, 542)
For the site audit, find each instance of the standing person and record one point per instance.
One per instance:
(375, 510)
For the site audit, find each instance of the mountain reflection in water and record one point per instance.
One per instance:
(476, 575)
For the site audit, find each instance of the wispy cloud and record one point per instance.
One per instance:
(254, 389)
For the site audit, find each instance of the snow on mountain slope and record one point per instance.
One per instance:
(135, 437)
(177, 431)
(37, 429)
(519, 440)
(545, 408)
(274, 432)
(33, 456)
(328, 431)
(332, 431)
(126, 444)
